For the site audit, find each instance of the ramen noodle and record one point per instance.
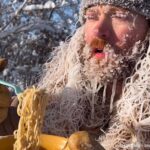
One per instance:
(32, 103)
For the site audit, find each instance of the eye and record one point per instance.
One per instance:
(91, 16)
(119, 15)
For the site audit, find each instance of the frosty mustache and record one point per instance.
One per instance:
(98, 43)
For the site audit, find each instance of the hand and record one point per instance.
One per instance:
(4, 94)
(8, 111)
(5, 100)
(82, 140)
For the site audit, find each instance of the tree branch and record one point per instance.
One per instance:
(14, 15)
(47, 5)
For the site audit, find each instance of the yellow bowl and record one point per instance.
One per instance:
(47, 142)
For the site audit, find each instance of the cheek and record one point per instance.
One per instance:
(89, 33)
(124, 36)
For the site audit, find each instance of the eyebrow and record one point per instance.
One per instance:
(114, 9)
(111, 9)
(93, 10)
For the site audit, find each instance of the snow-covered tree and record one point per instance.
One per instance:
(29, 29)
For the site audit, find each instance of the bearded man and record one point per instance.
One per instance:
(87, 74)
(92, 78)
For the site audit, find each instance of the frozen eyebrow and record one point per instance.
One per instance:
(114, 10)
(91, 10)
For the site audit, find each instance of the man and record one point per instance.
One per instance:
(86, 75)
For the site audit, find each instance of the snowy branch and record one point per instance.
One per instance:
(14, 15)
(20, 8)
(40, 25)
(47, 5)
(29, 29)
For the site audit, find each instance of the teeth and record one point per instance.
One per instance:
(98, 51)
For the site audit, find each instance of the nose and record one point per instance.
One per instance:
(101, 27)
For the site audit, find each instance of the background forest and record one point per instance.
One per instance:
(29, 29)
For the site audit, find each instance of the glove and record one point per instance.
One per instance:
(5, 97)
(8, 107)
(82, 140)
(5, 100)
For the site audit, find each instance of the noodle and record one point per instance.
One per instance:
(32, 103)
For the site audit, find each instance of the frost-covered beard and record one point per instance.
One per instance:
(76, 85)
(103, 70)
(113, 66)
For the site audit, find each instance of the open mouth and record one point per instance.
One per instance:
(96, 50)
(98, 53)
(97, 47)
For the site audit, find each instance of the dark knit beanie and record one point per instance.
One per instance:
(140, 6)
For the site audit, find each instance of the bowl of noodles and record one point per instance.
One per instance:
(46, 142)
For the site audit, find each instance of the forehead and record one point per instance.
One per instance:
(109, 8)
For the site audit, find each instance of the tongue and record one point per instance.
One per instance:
(100, 55)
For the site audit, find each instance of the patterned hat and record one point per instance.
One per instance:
(140, 6)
